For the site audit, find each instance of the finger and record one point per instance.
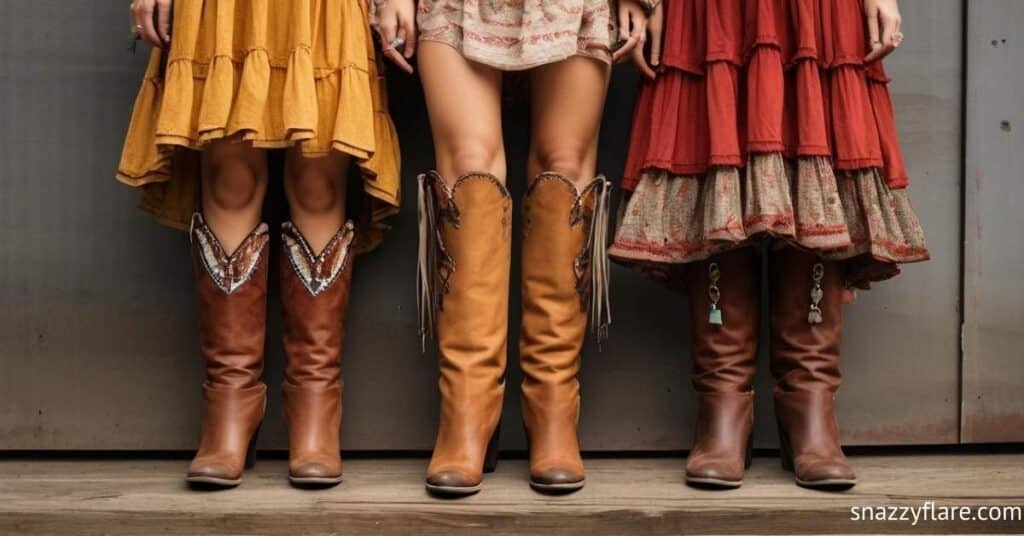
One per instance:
(388, 30)
(655, 31)
(888, 30)
(872, 22)
(409, 33)
(878, 53)
(144, 21)
(396, 57)
(623, 22)
(163, 20)
(625, 49)
(641, 65)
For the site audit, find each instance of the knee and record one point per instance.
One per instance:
(575, 163)
(479, 157)
(313, 190)
(234, 184)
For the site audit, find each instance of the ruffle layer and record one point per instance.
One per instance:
(852, 216)
(274, 74)
(757, 76)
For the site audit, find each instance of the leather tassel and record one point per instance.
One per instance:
(600, 292)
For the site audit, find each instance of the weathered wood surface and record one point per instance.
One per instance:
(623, 496)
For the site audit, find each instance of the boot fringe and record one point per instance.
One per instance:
(596, 254)
(433, 263)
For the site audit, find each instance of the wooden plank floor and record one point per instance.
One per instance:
(623, 496)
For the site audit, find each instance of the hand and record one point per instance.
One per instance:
(883, 19)
(396, 24)
(632, 30)
(153, 21)
(655, 27)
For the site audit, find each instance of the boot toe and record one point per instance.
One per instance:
(315, 473)
(213, 473)
(823, 472)
(452, 481)
(557, 479)
(712, 473)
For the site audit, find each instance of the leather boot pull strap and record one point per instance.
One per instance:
(814, 316)
(600, 294)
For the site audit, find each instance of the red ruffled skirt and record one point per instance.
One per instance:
(766, 121)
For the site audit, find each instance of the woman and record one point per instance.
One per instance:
(771, 119)
(225, 83)
(566, 48)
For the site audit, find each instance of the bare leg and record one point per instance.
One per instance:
(234, 185)
(464, 102)
(315, 188)
(568, 100)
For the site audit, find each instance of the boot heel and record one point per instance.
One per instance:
(491, 457)
(785, 451)
(250, 451)
(749, 457)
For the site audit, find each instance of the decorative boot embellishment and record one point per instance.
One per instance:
(232, 295)
(714, 295)
(462, 288)
(817, 274)
(315, 290)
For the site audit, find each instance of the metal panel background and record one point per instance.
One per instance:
(993, 368)
(97, 319)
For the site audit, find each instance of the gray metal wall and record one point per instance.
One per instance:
(97, 322)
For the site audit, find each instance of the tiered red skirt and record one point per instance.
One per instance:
(766, 121)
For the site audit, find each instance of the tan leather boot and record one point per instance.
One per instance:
(232, 291)
(807, 322)
(561, 234)
(314, 295)
(464, 278)
(725, 299)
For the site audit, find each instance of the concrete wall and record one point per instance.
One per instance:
(97, 321)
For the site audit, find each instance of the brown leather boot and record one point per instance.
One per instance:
(314, 296)
(463, 285)
(807, 322)
(725, 301)
(562, 233)
(232, 291)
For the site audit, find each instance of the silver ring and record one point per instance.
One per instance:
(397, 42)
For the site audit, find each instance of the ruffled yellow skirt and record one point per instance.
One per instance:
(275, 73)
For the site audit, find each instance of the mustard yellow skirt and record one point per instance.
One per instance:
(275, 73)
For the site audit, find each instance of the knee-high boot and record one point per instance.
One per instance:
(807, 322)
(724, 313)
(314, 295)
(232, 292)
(563, 265)
(463, 286)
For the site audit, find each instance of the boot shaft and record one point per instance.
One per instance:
(315, 290)
(807, 322)
(725, 312)
(232, 296)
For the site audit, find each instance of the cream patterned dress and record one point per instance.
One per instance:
(519, 35)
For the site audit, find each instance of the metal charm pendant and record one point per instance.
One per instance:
(815, 316)
(714, 274)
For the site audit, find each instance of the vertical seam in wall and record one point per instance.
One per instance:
(964, 75)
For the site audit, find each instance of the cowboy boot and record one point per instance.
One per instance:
(232, 291)
(314, 296)
(724, 317)
(807, 322)
(463, 287)
(563, 245)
